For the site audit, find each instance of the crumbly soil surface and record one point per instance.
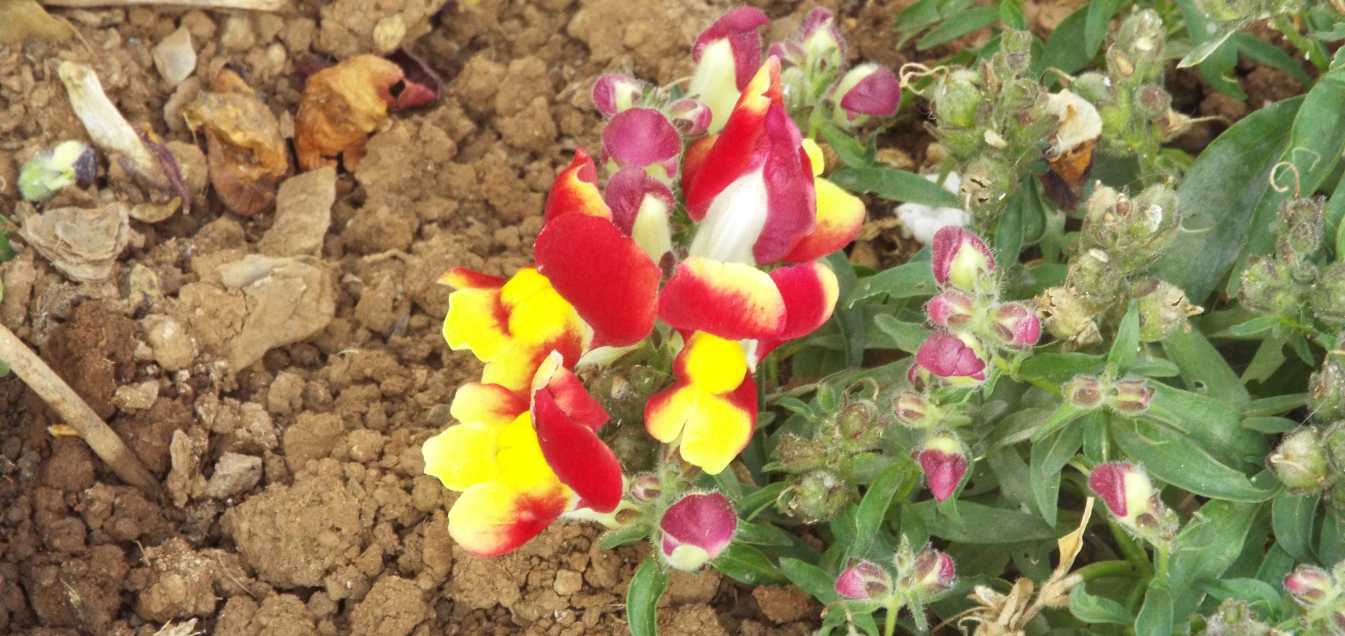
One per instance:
(295, 501)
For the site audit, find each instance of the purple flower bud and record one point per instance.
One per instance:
(821, 40)
(913, 410)
(690, 116)
(1084, 391)
(950, 308)
(944, 462)
(866, 90)
(1124, 487)
(955, 358)
(696, 529)
(614, 93)
(741, 28)
(933, 572)
(645, 487)
(1131, 396)
(1309, 585)
(960, 259)
(640, 137)
(788, 51)
(864, 580)
(1017, 325)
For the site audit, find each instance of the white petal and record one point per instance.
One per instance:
(734, 222)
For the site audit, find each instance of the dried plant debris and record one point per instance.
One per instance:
(83, 243)
(67, 163)
(244, 147)
(24, 19)
(106, 126)
(341, 106)
(420, 84)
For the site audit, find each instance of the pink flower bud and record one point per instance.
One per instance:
(1084, 391)
(950, 308)
(645, 487)
(614, 92)
(864, 580)
(640, 137)
(944, 462)
(696, 529)
(1124, 487)
(866, 90)
(690, 116)
(1131, 396)
(788, 51)
(933, 572)
(1017, 325)
(741, 28)
(913, 410)
(1309, 585)
(960, 258)
(822, 42)
(955, 358)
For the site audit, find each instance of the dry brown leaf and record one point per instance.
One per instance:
(244, 147)
(81, 243)
(23, 19)
(340, 107)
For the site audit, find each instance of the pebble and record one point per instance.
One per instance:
(234, 474)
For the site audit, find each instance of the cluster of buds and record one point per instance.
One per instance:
(666, 328)
(815, 77)
(1321, 595)
(1291, 283)
(1234, 617)
(972, 328)
(993, 119)
(1121, 238)
(1135, 108)
(1134, 502)
(820, 467)
(1326, 386)
(1128, 397)
(911, 580)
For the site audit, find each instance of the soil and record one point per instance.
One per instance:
(278, 372)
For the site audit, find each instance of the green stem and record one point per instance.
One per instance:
(1104, 569)
(1161, 556)
(1131, 550)
(1310, 49)
(890, 620)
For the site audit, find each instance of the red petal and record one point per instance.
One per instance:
(603, 273)
(730, 300)
(568, 392)
(639, 137)
(741, 26)
(575, 453)
(576, 190)
(792, 210)
(735, 148)
(626, 191)
(463, 278)
(810, 292)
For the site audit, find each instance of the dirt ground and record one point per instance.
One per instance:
(296, 503)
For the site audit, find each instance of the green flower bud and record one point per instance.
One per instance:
(1084, 391)
(1152, 102)
(1133, 232)
(858, 423)
(1140, 41)
(956, 97)
(1015, 54)
(1326, 390)
(795, 454)
(1266, 288)
(1068, 318)
(67, 163)
(819, 496)
(1130, 396)
(1300, 461)
(1300, 226)
(1094, 87)
(1234, 617)
(914, 411)
(985, 186)
(1334, 440)
(1163, 309)
(1327, 296)
(1094, 276)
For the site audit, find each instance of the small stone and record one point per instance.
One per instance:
(568, 582)
(238, 34)
(365, 445)
(174, 349)
(303, 214)
(234, 474)
(136, 397)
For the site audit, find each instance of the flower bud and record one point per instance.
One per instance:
(1068, 317)
(645, 487)
(1153, 102)
(640, 137)
(1084, 391)
(797, 454)
(1310, 586)
(956, 98)
(690, 116)
(1140, 40)
(726, 54)
(950, 308)
(789, 52)
(1300, 226)
(1093, 275)
(823, 46)
(614, 92)
(1334, 440)
(943, 459)
(1134, 233)
(1300, 461)
(987, 182)
(1326, 390)
(1124, 487)
(857, 418)
(818, 496)
(957, 359)
(1093, 86)
(1016, 325)
(931, 573)
(67, 163)
(863, 581)
(1163, 309)
(1015, 53)
(1130, 396)
(961, 259)
(1267, 288)
(914, 411)
(1234, 617)
(867, 90)
(1327, 296)
(696, 529)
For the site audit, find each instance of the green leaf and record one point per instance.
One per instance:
(1100, 13)
(1206, 48)
(1062, 50)
(1293, 517)
(1261, 595)
(908, 280)
(1203, 366)
(894, 185)
(1097, 610)
(1126, 346)
(1059, 368)
(847, 147)
(1155, 616)
(1211, 541)
(762, 534)
(747, 565)
(1271, 55)
(613, 539)
(1049, 456)
(958, 26)
(1269, 424)
(908, 336)
(1011, 14)
(979, 523)
(1215, 425)
(1177, 460)
(1268, 359)
(1217, 198)
(849, 320)
(1008, 237)
(877, 500)
(1096, 440)
(642, 598)
(810, 578)
(1274, 405)
(756, 501)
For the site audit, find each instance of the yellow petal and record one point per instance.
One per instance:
(715, 433)
(462, 455)
(816, 159)
(522, 465)
(474, 322)
(486, 403)
(666, 413)
(713, 364)
(491, 519)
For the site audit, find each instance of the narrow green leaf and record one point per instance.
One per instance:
(908, 280)
(1293, 518)
(613, 539)
(907, 335)
(1268, 359)
(1097, 610)
(1271, 55)
(1203, 367)
(810, 578)
(877, 501)
(958, 26)
(1011, 14)
(757, 500)
(1269, 424)
(1062, 50)
(1100, 13)
(1155, 616)
(1206, 48)
(1049, 456)
(1274, 405)
(1177, 460)
(1059, 368)
(642, 598)
(1126, 346)
(1260, 595)
(851, 152)
(848, 319)
(1211, 542)
(1214, 424)
(982, 524)
(894, 185)
(747, 565)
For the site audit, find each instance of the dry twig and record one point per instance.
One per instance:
(253, 5)
(70, 407)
